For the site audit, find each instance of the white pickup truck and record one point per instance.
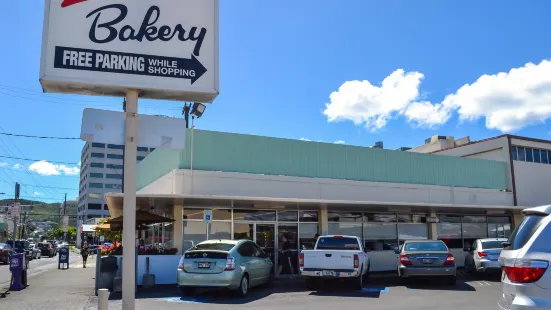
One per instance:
(337, 257)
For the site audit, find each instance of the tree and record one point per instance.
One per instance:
(57, 233)
(109, 235)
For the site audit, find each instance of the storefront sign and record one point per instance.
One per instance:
(166, 49)
(432, 219)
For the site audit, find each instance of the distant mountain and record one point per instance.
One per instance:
(40, 211)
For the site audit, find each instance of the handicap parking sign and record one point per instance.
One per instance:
(207, 216)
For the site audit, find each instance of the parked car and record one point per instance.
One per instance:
(335, 257)
(54, 246)
(21, 246)
(426, 258)
(526, 282)
(234, 264)
(46, 249)
(484, 255)
(36, 252)
(5, 252)
(94, 248)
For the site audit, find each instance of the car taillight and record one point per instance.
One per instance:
(526, 271)
(404, 260)
(356, 261)
(180, 267)
(482, 254)
(49, 247)
(450, 260)
(301, 259)
(230, 263)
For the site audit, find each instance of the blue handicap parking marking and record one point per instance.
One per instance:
(375, 290)
(187, 300)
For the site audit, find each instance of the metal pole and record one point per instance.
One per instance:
(64, 210)
(103, 299)
(129, 203)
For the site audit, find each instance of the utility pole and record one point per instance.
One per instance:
(16, 200)
(64, 211)
(23, 234)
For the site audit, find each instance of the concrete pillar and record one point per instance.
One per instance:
(324, 220)
(517, 218)
(433, 228)
(178, 227)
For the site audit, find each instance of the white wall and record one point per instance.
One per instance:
(533, 180)
(209, 183)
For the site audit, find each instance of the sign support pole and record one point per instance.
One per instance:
(129, 203)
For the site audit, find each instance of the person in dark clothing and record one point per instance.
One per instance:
(285, 257)
(85, 251)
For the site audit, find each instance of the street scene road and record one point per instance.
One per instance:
(36, 266)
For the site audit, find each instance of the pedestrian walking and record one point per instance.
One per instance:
(85, 251)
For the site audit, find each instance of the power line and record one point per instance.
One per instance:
(50, 161)
(37, 137)
(34, 185)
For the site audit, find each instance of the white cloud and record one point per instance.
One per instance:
(507, 101)
(46, 168)
(2, 164)
(339, 142)
(37, 194)
(18, 166)
(304, 139)
(79, 163)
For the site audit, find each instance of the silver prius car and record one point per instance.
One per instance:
(525, 259)
(483, 256)
(426, 258)
(234, 264)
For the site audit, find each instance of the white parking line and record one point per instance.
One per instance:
(483, 283)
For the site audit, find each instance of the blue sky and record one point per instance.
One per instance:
(313, 69)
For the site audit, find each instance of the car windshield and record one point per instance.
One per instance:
(213, 247)
(43, 245)
(426, 246)
(336, 243)
(496, 244)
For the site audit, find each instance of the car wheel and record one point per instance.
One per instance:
(243, 286)
(311, 283)
(187, 290)
(271, 279)
(452, 280)
(366, 275)
(359, 282)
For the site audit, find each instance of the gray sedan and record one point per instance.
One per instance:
(426, 258)
(484, 255)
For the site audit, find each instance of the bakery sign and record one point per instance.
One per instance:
(166, 49)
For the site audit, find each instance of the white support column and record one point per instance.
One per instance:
(433, 229)
(129, 203)
(178, 225)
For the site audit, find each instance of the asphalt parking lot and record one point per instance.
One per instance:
(381, 292)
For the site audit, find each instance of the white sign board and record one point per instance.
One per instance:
(65, 223)
(101, 238)
(207, 216)
(153, 131)
(166, 49)
(15, 210)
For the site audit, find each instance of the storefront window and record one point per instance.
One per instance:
(194, 232)
(308, 216)
(307, 232)
(474, 227)
(449, 231)
(243, 231)
(287, 216)
(254, 215)
(344, 223)
(499, 226)
(219, 230)
(380, 232)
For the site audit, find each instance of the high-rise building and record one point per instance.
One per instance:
(101, 172)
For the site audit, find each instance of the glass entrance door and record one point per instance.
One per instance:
(287, 249)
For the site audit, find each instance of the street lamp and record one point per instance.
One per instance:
(196, 110)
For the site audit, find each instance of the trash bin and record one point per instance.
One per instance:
(63, 257)
(106, 271)
(18, 268)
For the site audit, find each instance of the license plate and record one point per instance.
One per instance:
(328, 273)
(204, 265)
(427, 261)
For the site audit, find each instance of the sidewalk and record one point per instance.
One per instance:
(55, 289)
